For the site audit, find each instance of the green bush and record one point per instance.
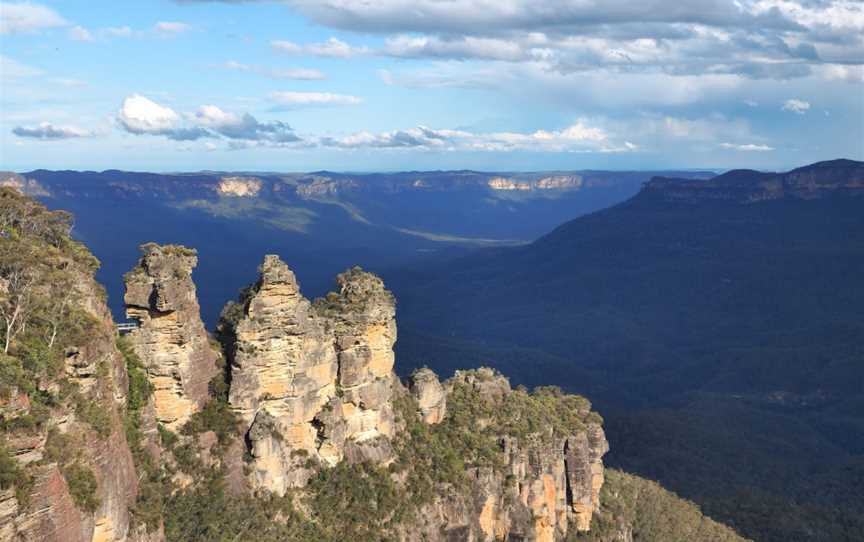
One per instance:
(95, 415)
(82, 486)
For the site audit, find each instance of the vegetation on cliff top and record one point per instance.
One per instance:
(44, 325)
(650, 514)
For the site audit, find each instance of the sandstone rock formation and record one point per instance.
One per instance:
(311, 383)
(362, 318)
(241, 187)
(429, 394)
(170, 339)
(548, 483)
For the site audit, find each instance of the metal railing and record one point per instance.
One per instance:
(127, 327)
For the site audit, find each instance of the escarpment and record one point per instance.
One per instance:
(819, 180)
(170, 337)
(67, 472)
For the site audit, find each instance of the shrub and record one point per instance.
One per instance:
(82, 486)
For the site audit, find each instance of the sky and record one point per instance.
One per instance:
(359, 85)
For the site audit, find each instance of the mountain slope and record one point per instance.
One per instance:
(716, 323)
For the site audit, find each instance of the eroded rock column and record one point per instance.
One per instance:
(283, 373)
(171, 339)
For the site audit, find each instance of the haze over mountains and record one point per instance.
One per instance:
(321, 222)
(718, 323)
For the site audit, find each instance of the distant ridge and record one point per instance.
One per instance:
(817, 180)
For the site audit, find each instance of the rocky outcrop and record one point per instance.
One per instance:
(241, 187)
(23, 185)
(311, 384)
(546, 485)
(362, 319)
(283, 373)
(170, 338)
(429, 394)
(553, 182)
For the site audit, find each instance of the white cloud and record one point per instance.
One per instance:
(460, 48)
(333, 48)
(747, 147)
(79, 33)
(49, 131)
(795, 105)
(300, 74)
(840, 72)
(578, 137)
(141, 116)
(303, 99)
(25, 17)
(170, 28)
(469, 15)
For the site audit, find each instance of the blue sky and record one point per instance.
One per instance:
(426, 84)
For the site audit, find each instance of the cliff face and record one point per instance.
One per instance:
(843, 177)
(67, 469)
(546, 481)
(170, 338)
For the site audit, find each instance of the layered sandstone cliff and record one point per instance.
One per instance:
(311, 384)
(67, 469)
(544, 484)
(170, 337)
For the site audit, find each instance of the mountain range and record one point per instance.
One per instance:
(716, 323)
(321, 222)
(713, 321)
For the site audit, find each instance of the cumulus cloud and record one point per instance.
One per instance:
(243, 127)
(300, 74)
(757, 39)
(49, 131)
(141, 116)
(795, 105)
(25, 17)
(311, 99)
(749, 39)
(333, 48)
(579, 137)
(79, 33)
(466, 16)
